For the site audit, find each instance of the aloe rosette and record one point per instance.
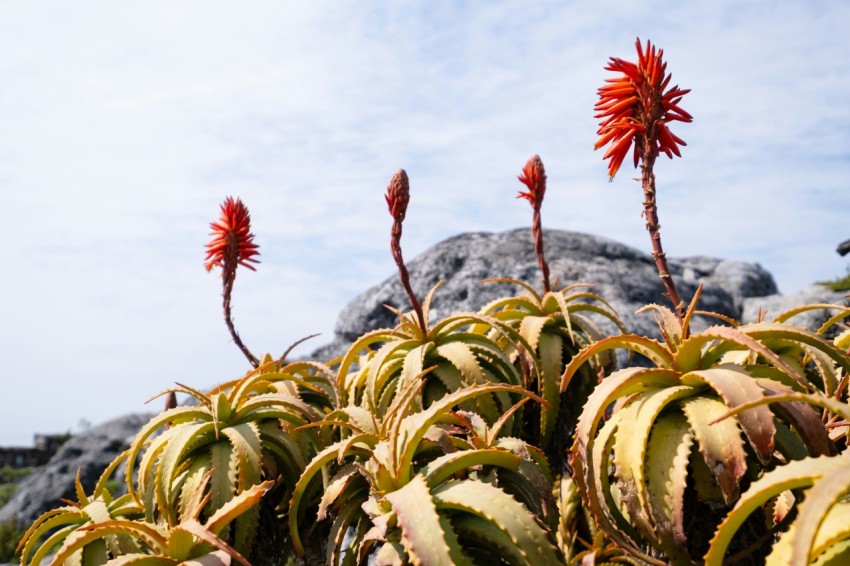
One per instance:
(463, 349)
(55, 526)
(242, 433)
(190, 541)
(435, 486)
(555, 326)
(661, 426)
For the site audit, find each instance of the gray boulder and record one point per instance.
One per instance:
(624, 276)
(90, 452)
(773, 305)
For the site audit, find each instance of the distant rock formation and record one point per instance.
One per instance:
(90, 452)
(624, 276)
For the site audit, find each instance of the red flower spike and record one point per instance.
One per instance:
(534, 177)
(233, 243)
(398, 195)
(636, 108)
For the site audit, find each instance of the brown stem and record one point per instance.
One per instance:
(228, 289)
(537, 233)
(650, 211)
(395, 248)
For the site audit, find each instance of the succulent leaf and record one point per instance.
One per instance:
(426, 538)
(794, 475)
(503, 511)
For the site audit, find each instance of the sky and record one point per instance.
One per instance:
(123, 126)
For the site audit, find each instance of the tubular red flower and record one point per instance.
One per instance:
(534, 177)
(637, 107)
(232, 242)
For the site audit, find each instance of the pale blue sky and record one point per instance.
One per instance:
(124, 125)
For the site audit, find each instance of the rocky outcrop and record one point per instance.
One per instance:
(624, 276)
(90, 452)
(776, 304)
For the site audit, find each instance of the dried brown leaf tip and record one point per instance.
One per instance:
(637, 107)
(232, 243)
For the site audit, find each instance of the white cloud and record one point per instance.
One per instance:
(124, 126)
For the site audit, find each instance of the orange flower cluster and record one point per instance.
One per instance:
(233, 242)
(635, 107)
(534, 177)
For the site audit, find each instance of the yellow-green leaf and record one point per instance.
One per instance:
(425, 539)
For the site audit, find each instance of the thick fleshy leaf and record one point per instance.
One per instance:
(667, 454)
(619, 384)
(425, 539)
(505, 512)
(237, 506)
(794, 475)
(793, 334)
(653, 350)
(149, 534)
(338, 484)
(720, 444)
(630, 449)
(488, 535)
(736, 387)
(805, 420)
(174, 416)
(819, 499)
(550, 352)
(445, 466)
(531, 327)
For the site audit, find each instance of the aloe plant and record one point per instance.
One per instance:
(382, 363)
(57, 525)
(661, 426)
(421, 486)
(241, 433)
(188, 542)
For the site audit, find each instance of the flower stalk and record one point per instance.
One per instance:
(232, 245)
(637, 107)
(534, 177)
(398, 197)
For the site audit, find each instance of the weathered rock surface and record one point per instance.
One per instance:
(624, 276)
(90, 452)
(776, 304)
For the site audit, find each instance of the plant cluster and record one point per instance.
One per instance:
(503, 436)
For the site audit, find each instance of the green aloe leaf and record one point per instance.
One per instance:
(794, 475)
(426, 539)
(720, 444)
(630, 449)
(736, 387)
(505, 512)
(445, 466)
(652, 349)
(667, 454)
